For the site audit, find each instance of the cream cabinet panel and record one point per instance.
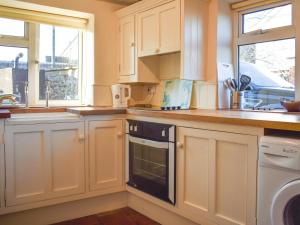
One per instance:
(217, 176)
(43, 161)
(2, 166)
(169, 27)
(106, 154)
(193, 172)
(27, 164)
(67, 159)
(148, 43)
(159, 29)
(127, 46)
(234, 176)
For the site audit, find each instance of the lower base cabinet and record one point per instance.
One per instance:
(44, 161)
(216, 176)
(2, 166)
(106, 154)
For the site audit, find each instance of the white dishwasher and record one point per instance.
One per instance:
(278, 181)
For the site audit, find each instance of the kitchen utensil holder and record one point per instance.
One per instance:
(237, 100)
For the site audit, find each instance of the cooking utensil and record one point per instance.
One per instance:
(245, 81)
(229, 84)
(235, 84)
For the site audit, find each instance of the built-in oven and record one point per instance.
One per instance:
(150, 158)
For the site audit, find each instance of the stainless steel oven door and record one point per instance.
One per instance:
(151, 164)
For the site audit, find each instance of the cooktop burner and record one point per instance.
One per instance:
(153, 108)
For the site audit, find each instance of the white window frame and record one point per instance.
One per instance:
(273, 34)
(30, 41)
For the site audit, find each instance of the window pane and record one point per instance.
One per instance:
(13, 71)
(12, 27)
(271, 65)
(59, 62)
(267, 19)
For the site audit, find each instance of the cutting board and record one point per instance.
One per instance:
(177, 93)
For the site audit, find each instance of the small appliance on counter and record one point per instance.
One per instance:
(121, 93)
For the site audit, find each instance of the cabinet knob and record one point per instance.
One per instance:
(157, 50)
(119, 134)
(81, 137)
(180, 145)
(132, 44)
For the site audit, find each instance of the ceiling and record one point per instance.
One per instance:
(128, 2)
(124, 2)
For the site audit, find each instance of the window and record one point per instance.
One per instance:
(59, 59)
(266, 53)
(44, 53)
(9, 27)
(13, 71)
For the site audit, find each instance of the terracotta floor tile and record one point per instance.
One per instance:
(89, 220)
(125, 216)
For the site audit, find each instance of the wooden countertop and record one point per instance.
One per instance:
(273, 120)
(276, 120)
(88, 111)
(4, 114)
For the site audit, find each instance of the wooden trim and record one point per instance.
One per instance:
(140, 7)
(244, 5)
(42, 17)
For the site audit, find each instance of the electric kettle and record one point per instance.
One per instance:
(121, 93)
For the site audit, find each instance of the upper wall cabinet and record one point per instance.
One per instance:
(159, 30)
(127, 47)
(170, 40)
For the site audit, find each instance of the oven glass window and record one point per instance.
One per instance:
(292, 212)
(149, 163)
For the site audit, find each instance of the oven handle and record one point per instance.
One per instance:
(154, 144)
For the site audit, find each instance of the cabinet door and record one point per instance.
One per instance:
(2, 165)
(67, 158)
(106, 154)
(217, 176)
(234, 166)
(43, 161)
(27, 162)
(193, 171)
(169, 27)
(148, 33)
(127, 46)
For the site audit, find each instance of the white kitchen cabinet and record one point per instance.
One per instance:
(148, 33)
(106, 152)
(158, 29)
(169, 27)
(2, 165)
(217, 176)
(127, 47)
(171, 39)
(43, 161)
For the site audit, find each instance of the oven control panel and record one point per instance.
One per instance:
(151, 131)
